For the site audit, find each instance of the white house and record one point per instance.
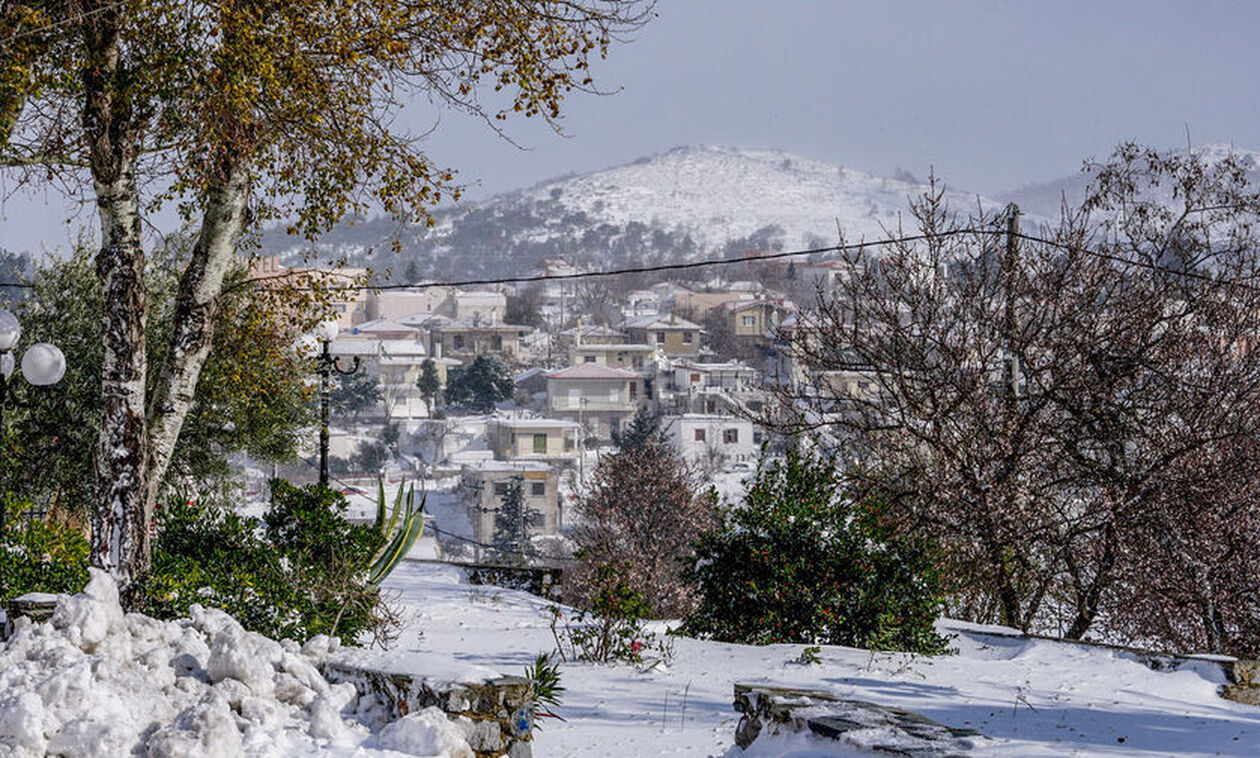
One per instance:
(711, 441)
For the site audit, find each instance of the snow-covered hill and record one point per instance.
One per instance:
(683, 204)
(719, 194)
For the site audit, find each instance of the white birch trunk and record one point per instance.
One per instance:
(120, 463)
(196, 305)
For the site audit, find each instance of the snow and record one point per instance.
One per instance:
(1032, 697)
(721, 193)
(95, 681)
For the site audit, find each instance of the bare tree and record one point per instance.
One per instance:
(1041, 405)
(641, 516)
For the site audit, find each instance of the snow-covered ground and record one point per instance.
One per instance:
(1033, 698)
(96, 682)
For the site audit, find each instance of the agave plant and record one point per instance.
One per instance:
(404, 527)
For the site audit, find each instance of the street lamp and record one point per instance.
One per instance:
(325, 366)
(43, 365)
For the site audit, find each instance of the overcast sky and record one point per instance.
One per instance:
(993, 95)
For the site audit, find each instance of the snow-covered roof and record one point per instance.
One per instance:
(633, 347)
(535, 423)
(657, 322)
(591, 371)
(381, 325)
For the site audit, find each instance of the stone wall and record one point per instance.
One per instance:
(495, 715)
(857, 723)
(541, 581)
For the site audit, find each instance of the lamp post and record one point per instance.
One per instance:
(326, 365)
(43, 365)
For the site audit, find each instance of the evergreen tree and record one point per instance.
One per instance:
(428, 383)
(479, 386)
(355, 393)
(643, 430)
(512, 522)
(801, 562)
(412, 272)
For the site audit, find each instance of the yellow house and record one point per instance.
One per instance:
(629, 357)
(675, 336)
(514, 439)
(485, 485)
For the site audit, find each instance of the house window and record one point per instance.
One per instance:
(756, 438)
(588, 359)
(501, 488)
(730, 436)
(699, 435)
(538, 488)
(695, 378)
(634, 390)
(748, 320)
(457, 342)
(687, 338)
(660, 337)
(540, 443)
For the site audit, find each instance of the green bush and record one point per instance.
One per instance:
(36, 556)
(799, 562)
(300, 572)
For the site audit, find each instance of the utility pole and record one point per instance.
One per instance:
(1010, 322)
(520, 512)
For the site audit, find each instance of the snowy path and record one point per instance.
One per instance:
(1034, 698)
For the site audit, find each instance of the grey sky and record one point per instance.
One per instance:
(994, 95)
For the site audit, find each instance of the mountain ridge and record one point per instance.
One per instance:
(682, 204)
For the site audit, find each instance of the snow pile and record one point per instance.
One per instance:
(96, 681)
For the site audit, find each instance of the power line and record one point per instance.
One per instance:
(456, 283)
(609, 272)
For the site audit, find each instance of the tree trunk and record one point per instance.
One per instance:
(120, 462)
(196, 306)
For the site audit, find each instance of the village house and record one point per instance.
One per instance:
(594, 333)
(600, 398)
(755, 320)
(465, 339)
(485, 484)
(675, 336)
(711, 441)
(397, 304)
(629, 357)
(346, 298)
(517, 439)
(485, 307)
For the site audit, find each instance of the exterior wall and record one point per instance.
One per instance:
(595, 395)
(760, 317)
(616, 356)
(459, 343)
(673, 341)
(483, 489)
(399, 304)
(520, 443)
(725, 439)
(489, 306)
